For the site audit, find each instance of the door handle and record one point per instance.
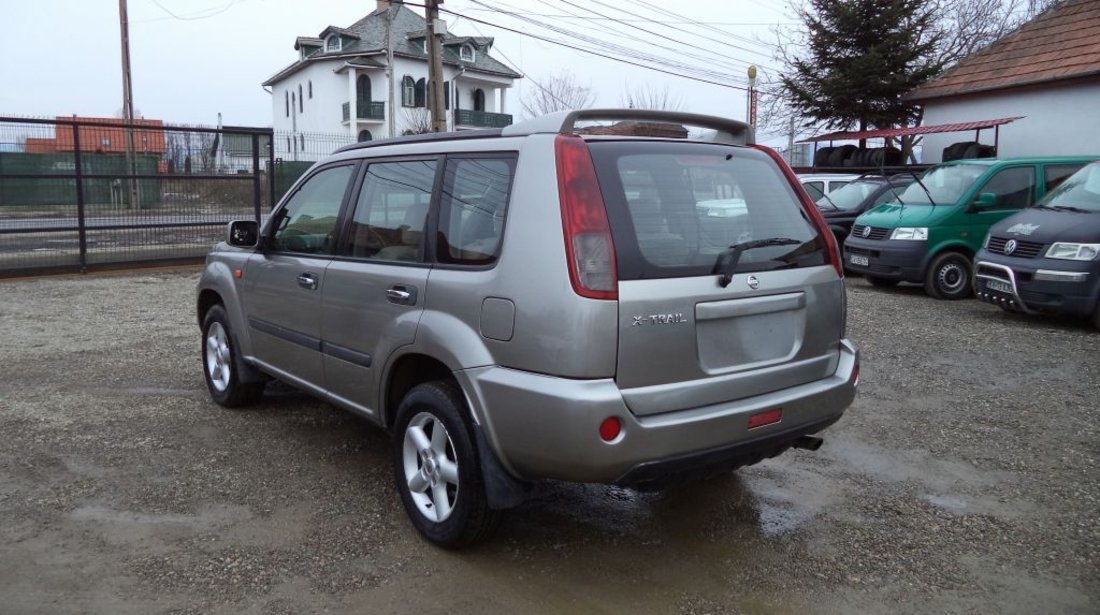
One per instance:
(401, 295)
(307, 281)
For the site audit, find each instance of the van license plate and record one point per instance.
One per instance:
(859, 260)
(997, 285)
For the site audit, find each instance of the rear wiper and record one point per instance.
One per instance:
(727, 260)
(1077, 210)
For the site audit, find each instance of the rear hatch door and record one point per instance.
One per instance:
(688, 335)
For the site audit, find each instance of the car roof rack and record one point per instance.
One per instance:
(564, 122)
(428, 137)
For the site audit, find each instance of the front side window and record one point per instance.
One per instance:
(815, 189)
(1055, 174)
(473, 208)
(392, 208)
(1015, 188)
(307, 223)
(676, 208)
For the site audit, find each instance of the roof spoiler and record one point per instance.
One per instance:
(564, 122)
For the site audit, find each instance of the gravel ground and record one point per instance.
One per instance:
(964, 479)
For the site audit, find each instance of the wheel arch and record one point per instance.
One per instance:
(954, 246)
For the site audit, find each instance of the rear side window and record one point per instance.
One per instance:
(472, 209)
(1055, 174)
(675, 208)
(391, 211)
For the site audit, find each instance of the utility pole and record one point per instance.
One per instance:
(128, 100)
(391, 111)
(435, 65)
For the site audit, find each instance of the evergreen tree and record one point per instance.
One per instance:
(863, 56)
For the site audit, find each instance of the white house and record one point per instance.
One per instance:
(369, 80)
(1047, 71)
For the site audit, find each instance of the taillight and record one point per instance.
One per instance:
(835, 258)
(588, 244)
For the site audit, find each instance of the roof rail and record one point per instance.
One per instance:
(428, 137)
(564, 122)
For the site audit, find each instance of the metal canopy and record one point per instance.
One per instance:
(911, 130)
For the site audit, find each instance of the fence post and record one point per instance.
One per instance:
(256, 196)
(79, 176)
(271, 171)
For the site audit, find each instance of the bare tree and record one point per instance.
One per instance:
(560, 92)
(649, 97)
(418, 121)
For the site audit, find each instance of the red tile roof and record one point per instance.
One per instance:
(1060, 44)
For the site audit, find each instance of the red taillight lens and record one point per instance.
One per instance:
(588, 243)
(610, 428)
(835, 258)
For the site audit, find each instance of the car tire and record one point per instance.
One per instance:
(436, 468)
(220, 363)
(948, 277)
(880, 282)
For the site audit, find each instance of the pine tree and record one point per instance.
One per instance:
(863, 56)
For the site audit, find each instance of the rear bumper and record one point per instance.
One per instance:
(1033, 285)
(887, 258)
(542, 427)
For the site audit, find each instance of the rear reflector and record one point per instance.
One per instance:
(610, 428)
(588, 244)
(761, 419)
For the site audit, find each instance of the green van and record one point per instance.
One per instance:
(929, 232)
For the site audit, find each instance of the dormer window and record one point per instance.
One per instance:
(332, 43)
(467, 53)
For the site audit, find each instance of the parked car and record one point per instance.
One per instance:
(1047, 258)
(538, 302)
(841, 207)
(818, 184)
(930, 232)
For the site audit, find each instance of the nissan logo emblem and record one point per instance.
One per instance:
(866, 231)
(1010, 246)
(752, 282)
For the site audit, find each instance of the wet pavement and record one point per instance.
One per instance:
(964, 479)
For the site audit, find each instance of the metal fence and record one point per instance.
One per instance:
(78, 194)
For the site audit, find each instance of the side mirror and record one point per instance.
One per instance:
(242, 233)
(985, 200)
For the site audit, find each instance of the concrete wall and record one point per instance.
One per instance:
(1058, 121)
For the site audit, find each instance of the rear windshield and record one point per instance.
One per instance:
(675, 208)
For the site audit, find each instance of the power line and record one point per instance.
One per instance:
(516, 68)
(587, 51)
(628, 52)
(668, 38)
(204, 14)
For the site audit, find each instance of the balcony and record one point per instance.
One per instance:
(482, 119)
(366, 110)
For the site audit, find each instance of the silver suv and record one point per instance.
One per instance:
(628, 302)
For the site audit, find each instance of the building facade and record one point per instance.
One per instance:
(1047, 71)
(369, 81)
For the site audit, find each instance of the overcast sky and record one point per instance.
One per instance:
(63, 56)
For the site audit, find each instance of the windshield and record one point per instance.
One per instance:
(945, 184)
(850, 196)
(1080, 191)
